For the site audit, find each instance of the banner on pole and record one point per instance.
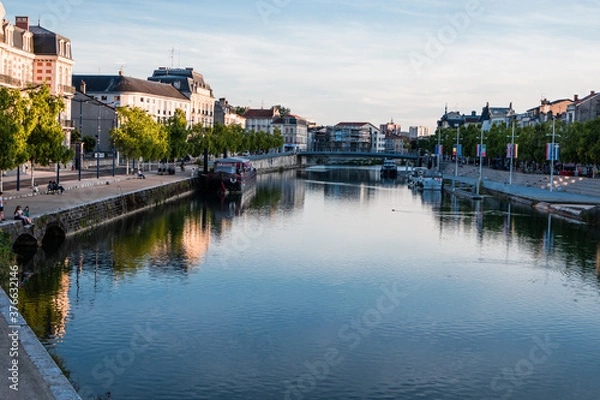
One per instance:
(481, 150)
(512, 150)
(439, 149)
(552, 155)
(457, 150)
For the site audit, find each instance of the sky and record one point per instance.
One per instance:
(343, 60)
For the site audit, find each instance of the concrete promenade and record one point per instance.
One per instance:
(532, 187)
(38, 376)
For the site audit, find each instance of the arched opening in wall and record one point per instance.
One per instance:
(55, 236)
(25, 247)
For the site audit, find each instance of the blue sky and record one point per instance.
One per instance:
(343, 60)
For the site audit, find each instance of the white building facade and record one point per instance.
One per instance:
(294, 130)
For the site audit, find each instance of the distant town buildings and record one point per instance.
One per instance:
(260, 120)
(31, 56)
(157, 99)
(225, 114)
(193, 86)
(390, 128)
(294, 130)
(356, 136)
(585, 109)
(415, 132)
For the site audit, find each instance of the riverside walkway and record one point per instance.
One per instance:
(37, 375)
(532, 187)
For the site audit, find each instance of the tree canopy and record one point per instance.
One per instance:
(579, 142)
(139, 135)
(30, 129)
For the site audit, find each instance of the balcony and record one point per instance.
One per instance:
(6, 80)
(66, 89)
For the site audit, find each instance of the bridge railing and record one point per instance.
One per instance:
(346, 153)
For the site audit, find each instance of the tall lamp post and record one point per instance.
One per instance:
(98, 145)
(513, 153)
(98, 156)
(481, 154)
(456, 156)
(553, 151)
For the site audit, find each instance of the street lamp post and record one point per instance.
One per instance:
(98, 146)
(456, 157)
(480, 161)
(97, 156)
(552, 152)
(512, 153)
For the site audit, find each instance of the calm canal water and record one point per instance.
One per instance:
(326, 284)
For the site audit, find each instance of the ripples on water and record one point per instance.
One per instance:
(287, 295)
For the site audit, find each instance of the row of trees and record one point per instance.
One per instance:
(140, 136)
(30, 130)
(579, 141)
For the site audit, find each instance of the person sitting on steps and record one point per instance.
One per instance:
(140, 175)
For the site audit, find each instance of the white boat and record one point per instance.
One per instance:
(389, 169)
(415, 177)
(431, 180)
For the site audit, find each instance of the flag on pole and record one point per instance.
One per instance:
(481, 150)
(552, 155)
(512, 150)
(457, 150)
(439, 149)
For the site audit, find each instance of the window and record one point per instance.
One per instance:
(141, 99)
(117, 98)
(104, 98)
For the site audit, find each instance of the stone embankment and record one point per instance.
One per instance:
(576, 198)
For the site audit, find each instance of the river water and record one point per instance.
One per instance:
(325, 284)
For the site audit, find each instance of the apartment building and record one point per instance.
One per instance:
(193, 86)
(33, 55)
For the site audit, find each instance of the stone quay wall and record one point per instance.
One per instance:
(67, 222)
(270, 163)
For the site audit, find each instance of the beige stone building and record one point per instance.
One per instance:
(31, 56)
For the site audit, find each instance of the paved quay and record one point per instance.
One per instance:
(38, 376)
(532, 187)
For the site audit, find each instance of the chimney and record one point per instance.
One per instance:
(592, 92)
(575, 98)
(83, 87)
(22, 22)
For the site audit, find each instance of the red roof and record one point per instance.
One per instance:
(354, 123)
(259, 113)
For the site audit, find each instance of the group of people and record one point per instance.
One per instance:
(23, 215)
(54, 187)
(20, 213)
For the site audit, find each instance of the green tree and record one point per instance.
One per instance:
(283, 111)
(13, 136)
(178, 133)
(139, 135)
(89, 143)
(45, 141)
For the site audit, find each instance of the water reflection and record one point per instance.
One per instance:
(328, 239)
